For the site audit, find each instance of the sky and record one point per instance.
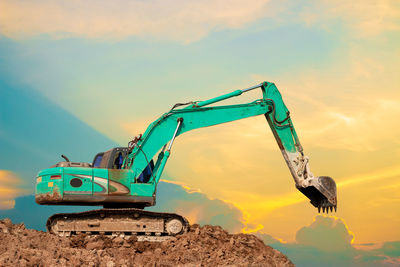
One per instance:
(80, 77)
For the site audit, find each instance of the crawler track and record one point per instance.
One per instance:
(146, 225)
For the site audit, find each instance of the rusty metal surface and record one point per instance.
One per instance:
(118, 174)
(105, 159)
(118, 179)
(101, 200)
(150, 226)
(50, 197)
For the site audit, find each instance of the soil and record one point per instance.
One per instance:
(201, 246)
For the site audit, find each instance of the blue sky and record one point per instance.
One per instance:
(80, 77)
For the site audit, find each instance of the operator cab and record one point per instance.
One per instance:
(111, 159)
(114, 158)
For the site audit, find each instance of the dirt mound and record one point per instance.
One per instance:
(202, 246)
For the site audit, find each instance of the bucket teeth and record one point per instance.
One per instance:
(322, 193)
(326, 207)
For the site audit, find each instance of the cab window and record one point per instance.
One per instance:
(97, 160)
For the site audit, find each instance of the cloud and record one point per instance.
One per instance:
(9, 189)
(185, 21)
(392, 173)
(173, 20)
(363, 18)
(358, 130)
(345, 107)
(336, 235)
(197, 207)
(353, 100)
(327, 241)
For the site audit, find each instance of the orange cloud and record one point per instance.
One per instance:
(388, 173)
(185, 21)
(342, 98)
(366, 18)
(9, 189)
(174, 20)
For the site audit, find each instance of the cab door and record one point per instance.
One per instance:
(119, 179)
(100, 173)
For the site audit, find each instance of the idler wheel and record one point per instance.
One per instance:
(174, 226)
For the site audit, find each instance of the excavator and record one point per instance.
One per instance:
(124, 179)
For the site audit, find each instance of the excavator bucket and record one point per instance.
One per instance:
(322, 193)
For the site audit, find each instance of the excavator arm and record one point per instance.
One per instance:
(320, 190)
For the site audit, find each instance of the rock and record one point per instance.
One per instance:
(100, 253)
(5, 225)
(95, 245)
(118, 240)
(4, 228)
(7, 222)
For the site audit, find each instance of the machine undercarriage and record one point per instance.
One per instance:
(145, 225)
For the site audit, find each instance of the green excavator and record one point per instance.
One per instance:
(124, 179)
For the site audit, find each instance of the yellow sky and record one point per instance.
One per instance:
(346, 118)
(346, 114)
